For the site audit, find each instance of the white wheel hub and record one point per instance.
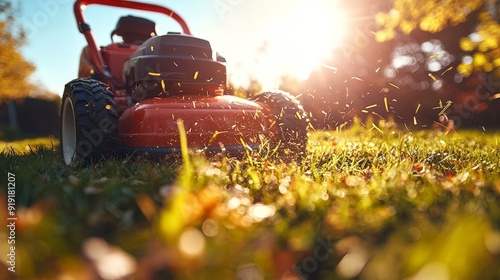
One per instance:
(68, 131)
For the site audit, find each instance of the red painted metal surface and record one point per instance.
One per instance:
(115, 55)
(208, 121)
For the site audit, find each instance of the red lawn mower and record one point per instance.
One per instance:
(130, 96)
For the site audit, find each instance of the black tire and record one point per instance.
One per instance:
(291, 120)
(89, 122)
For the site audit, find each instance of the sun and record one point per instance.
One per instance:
(300, 40)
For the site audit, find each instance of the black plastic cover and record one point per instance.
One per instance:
(175, 58)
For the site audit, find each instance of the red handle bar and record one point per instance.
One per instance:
(84, 28)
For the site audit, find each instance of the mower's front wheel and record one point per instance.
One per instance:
(89, 122)
(291, 121)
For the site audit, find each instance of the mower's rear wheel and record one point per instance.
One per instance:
(89, 122)
(291, 122)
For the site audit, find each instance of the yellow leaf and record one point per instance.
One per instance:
(464, 69)
(496, 62)
(407, 26)
(479, 60)
(466, 44)
(381, 18)
(488, 67)
(385, 35)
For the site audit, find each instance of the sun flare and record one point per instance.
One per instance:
(299, 41)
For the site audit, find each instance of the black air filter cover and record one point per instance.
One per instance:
(175, 58)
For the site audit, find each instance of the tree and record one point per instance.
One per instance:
(481, 45)
(405, 59)
(14, 69)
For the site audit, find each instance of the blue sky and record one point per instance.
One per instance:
(253, 35)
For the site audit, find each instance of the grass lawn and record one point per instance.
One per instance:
(364, 204)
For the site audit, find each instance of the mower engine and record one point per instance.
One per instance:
(175, 64)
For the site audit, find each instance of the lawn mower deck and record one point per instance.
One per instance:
(212, 124)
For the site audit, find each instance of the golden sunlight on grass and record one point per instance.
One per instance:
(28, 145)
(364, 204)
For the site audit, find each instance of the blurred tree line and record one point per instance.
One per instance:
(21, 102)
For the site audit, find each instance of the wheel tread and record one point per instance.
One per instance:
(291, 120)
(93, 102)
